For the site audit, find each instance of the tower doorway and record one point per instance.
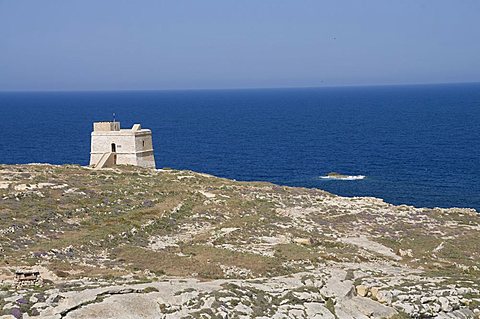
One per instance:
(114, 151)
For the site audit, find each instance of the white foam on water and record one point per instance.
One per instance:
(344, 178)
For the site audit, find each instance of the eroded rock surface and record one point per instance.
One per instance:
(137, 243)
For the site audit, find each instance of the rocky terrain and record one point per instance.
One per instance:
(137, 243)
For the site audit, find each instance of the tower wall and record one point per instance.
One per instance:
(131, 146)
(106, 126)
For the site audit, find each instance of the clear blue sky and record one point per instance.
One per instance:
(175, 44)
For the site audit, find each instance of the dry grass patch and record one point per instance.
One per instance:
(198, 260)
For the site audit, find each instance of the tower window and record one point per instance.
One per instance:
(114, 148)
(143, 142)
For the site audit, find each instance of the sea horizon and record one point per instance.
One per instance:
(415, 144)
(373, 85)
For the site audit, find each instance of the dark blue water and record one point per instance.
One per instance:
(418, 145)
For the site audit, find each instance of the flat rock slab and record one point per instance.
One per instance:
(370, 245)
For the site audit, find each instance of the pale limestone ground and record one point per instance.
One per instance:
(246, 250)
(325, 292)
(303, 295)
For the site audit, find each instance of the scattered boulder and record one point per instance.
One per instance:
(405, 253)
(374, 292)
(385, 297)
(445, 304)
(303, 241)
(362, 290)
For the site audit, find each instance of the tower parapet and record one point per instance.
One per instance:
(106, 126)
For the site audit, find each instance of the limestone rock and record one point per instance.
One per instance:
(385, 297)
(360, 307)
(362, 290)
(374, 291)
(427, 299)
(317, 310)
(445, 304)
(303, 241)
(405, 253)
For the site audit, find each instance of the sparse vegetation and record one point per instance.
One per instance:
(137, 225)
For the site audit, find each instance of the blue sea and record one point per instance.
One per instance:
(417, 145)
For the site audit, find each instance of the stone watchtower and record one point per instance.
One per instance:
(112, 146)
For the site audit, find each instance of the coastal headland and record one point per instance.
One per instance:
(130, 242)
